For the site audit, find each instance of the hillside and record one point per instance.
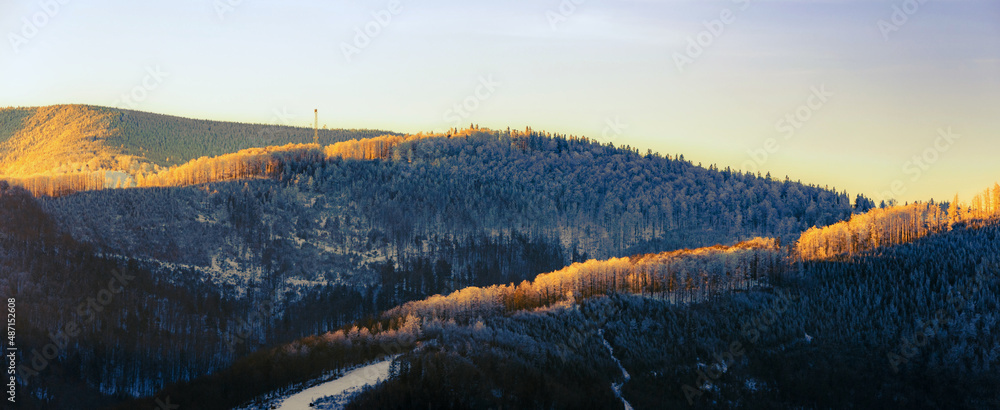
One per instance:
(80, 138)
(606, 199)
(53, 278)
(57, 139)
(430, 214)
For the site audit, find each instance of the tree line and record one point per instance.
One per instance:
(683, 276)
(896, 225)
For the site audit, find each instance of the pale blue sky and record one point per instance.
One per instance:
(606, 61)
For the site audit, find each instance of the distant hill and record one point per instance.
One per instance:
(167, 140)
(55, 139)
(81, 138)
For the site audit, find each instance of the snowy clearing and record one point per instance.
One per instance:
(354, 380)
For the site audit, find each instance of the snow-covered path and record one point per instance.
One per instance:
(352, 381)
(617, 387)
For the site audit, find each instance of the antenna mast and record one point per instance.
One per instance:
(316, 127)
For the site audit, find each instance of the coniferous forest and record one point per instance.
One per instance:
(219, 265)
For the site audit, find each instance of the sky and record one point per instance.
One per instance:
(891, 99)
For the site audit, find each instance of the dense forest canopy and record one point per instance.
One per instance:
(865, 331)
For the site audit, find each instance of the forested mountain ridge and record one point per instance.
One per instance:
(651, 191)
(65, 139)
(323, 235)
(432, 214)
